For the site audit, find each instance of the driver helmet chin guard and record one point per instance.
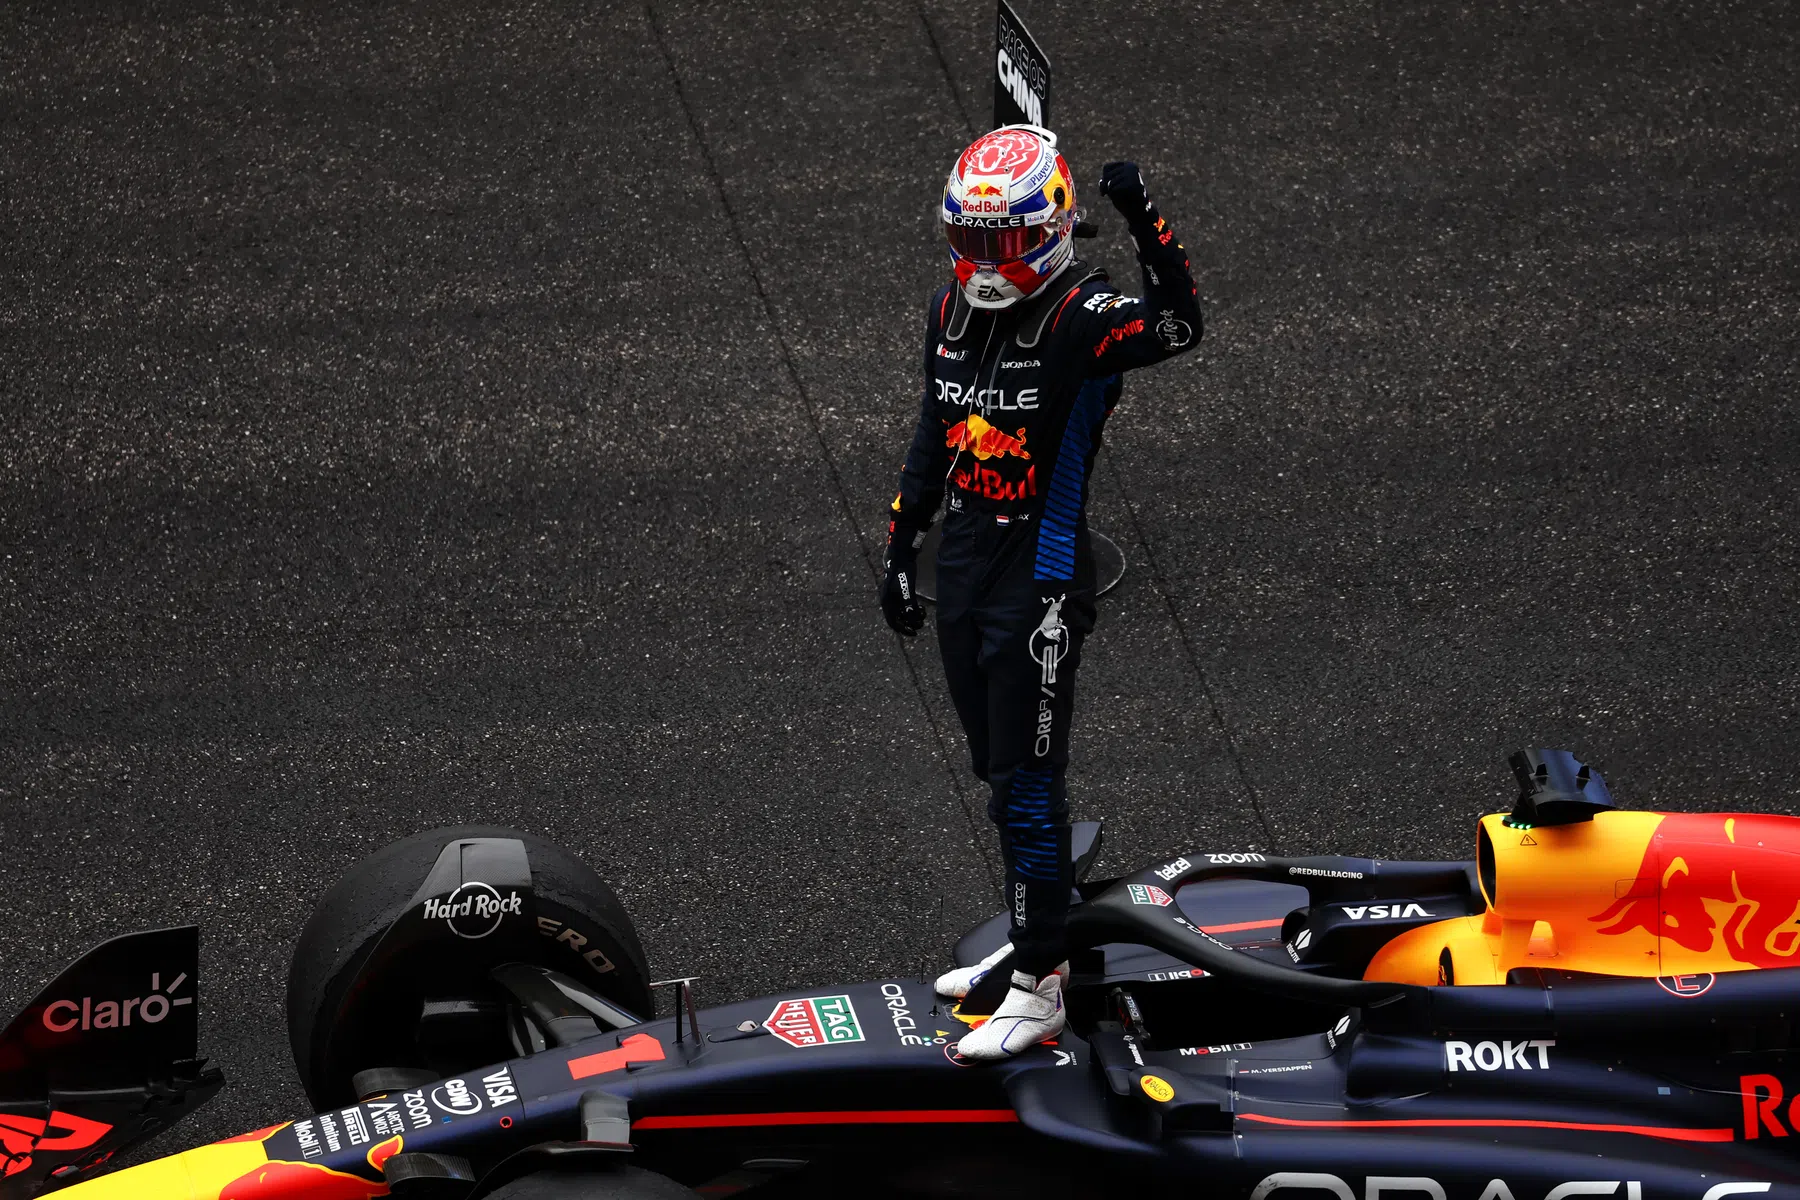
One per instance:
(1009, 213)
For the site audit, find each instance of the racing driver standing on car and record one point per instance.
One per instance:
(1023, 357)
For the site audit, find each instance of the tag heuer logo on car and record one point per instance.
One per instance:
(815, 1021)
(1149, 893)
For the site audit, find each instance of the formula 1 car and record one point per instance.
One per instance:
(1598, 1004)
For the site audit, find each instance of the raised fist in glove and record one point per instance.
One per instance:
(900, 604)
(1123, 184)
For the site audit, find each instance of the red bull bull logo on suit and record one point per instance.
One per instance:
(981, 439)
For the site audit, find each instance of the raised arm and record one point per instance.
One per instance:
(1137, 331)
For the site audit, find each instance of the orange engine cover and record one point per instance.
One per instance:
(1627, 893)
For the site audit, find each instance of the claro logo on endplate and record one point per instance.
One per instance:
(87, 1013)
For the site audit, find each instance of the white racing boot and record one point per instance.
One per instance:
(1031, 1013)
(957, 983)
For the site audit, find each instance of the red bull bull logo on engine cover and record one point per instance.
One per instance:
(1713, 884)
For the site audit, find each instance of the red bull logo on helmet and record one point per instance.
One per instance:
(985, 197)
(1711, 883)
(981, 439)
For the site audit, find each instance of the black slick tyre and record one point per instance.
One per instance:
(586, 935)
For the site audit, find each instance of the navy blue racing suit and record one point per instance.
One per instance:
(1015, 401)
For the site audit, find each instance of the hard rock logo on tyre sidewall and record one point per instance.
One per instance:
(475, 909)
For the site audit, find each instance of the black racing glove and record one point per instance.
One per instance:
(1123, 184)
(900, 605)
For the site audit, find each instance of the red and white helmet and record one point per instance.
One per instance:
(1009, 211)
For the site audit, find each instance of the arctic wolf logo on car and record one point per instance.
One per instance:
(975, 435)
(815, 1021)
(1710, 881)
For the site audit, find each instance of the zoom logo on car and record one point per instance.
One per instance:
(1498, 1056)
(475, 909)
(64, 1016)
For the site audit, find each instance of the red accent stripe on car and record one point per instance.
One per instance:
(1655, 1131)
(893, 1116)
(1241, 926)
(639, 1047)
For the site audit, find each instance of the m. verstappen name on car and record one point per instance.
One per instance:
(66, 1016)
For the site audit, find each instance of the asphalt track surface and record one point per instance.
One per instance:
(423, 413)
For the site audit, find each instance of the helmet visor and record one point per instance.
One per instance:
(997, 245)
